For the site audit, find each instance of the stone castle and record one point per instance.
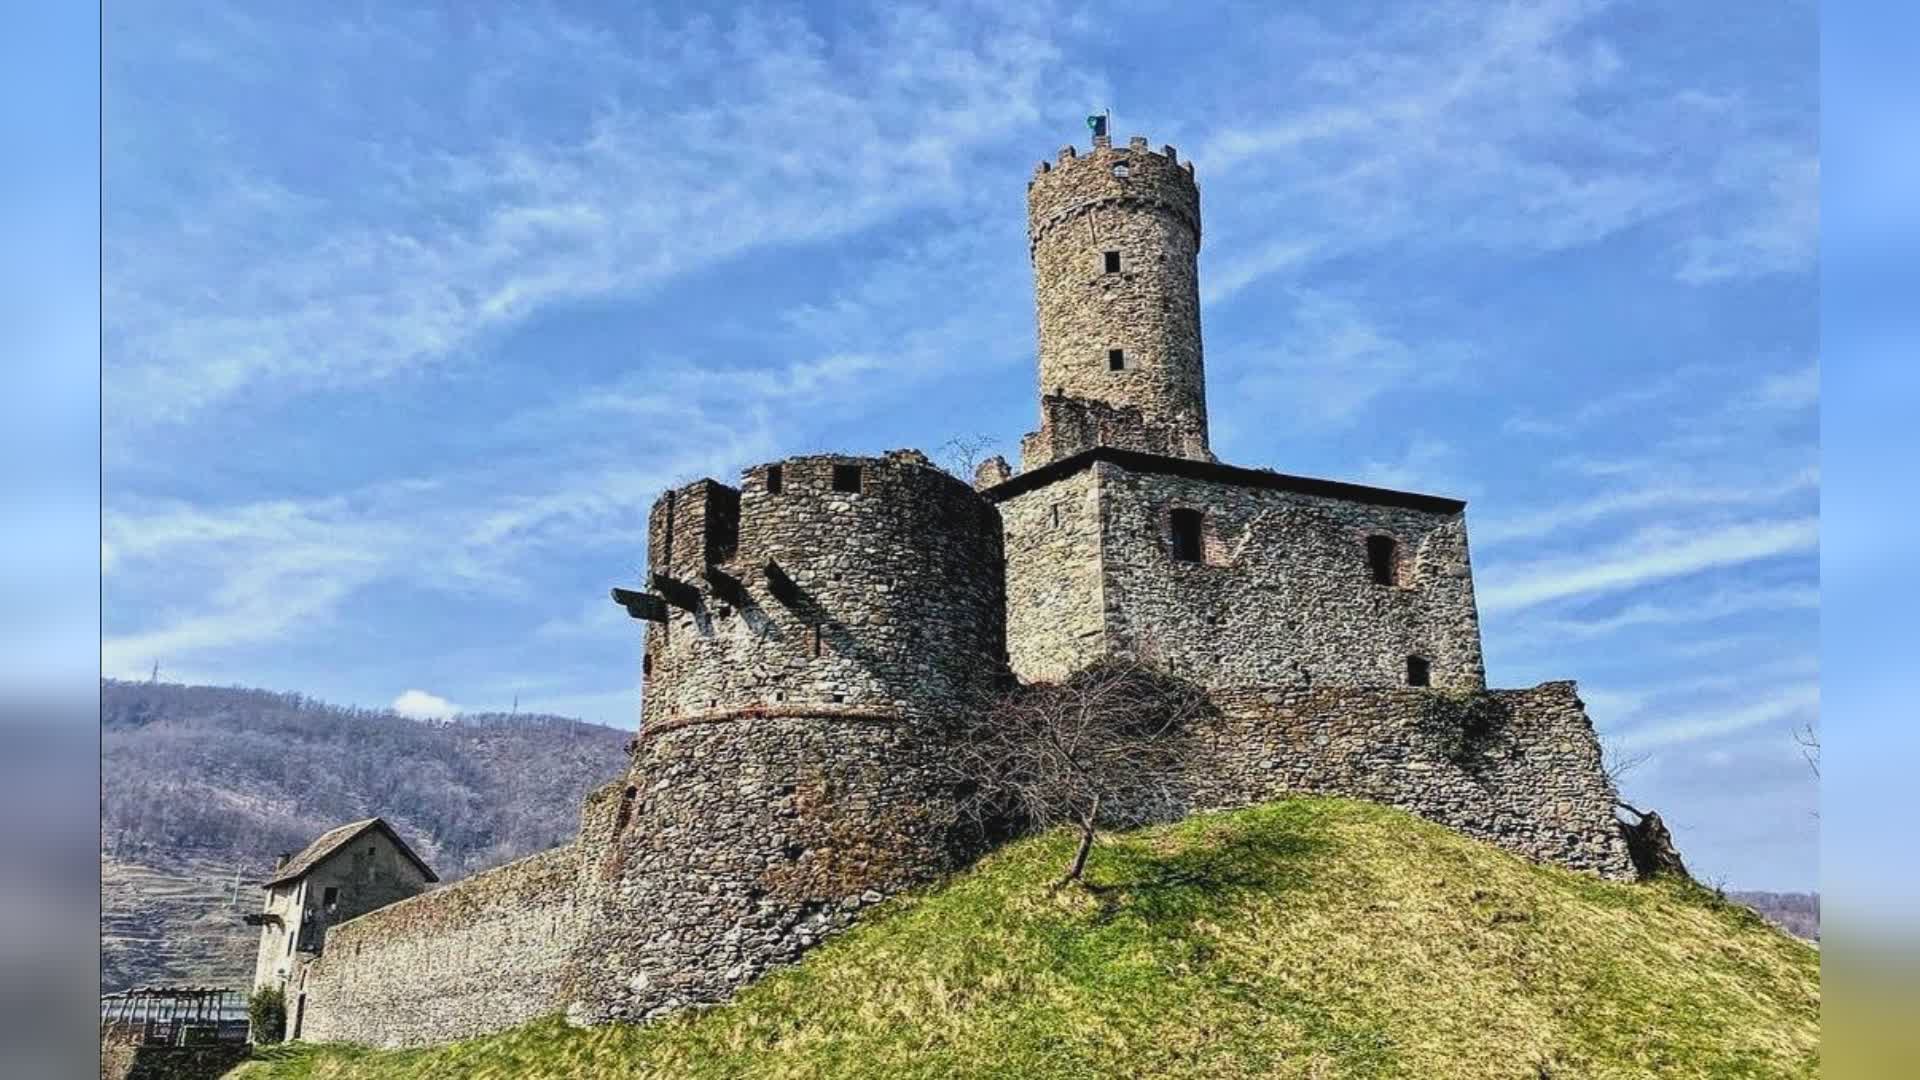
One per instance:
(813, 631)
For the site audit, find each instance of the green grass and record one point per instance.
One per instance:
(1314, 938)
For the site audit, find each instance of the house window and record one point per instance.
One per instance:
(1116, 359)
(775, 475)
(1056, 515)
(813, 640)
(1418, 672)
(330, 898)
(846, 478)
(1186, 535)
(1112, 262)
(646, 665)
(1121, 170)
(1382, 558)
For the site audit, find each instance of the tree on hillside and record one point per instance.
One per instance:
(1051, 754)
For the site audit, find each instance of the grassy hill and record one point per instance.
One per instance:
(200, 783)
(1312, 938)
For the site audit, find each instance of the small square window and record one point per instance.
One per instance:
(1116, 359)
(846, 478)
(1418, 671)
(775, 476)
(1112, 262)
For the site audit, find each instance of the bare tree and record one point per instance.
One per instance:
(962, 454)
(1618, 761)
(1053, 754)
(1808, 737)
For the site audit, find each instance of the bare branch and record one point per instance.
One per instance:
(1064, 753)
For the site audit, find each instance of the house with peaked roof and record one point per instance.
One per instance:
(346, 871)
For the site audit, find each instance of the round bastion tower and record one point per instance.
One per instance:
(812, 634)
(1115, 242)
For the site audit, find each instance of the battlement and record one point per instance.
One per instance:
(821, 584)
(1131, 176)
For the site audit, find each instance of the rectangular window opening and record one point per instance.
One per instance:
(1116, 359)
(1382, 559)
(846, 478)
(1186, 534)
(329, 898)
(775, 476)
(1113, 262)
(1056, 515)
(1418, 671)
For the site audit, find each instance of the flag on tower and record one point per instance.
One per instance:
(1098, 124)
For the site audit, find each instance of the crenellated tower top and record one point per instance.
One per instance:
(1115, 238)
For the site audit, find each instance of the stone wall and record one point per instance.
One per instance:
(1056, 614)
(1517, 768)
(1283, 594)
(885, 598)
(479, 955)
(743, 840)
(1144, 207)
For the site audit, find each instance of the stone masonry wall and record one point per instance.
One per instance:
(743, 842)
(1518, 768)
(1056, 622)
(482, 954)
(1284, 593)
(1145, 207)
(895, 606)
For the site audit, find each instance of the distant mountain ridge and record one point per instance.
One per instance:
(203, 785)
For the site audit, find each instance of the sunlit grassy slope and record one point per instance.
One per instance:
(1311, 938)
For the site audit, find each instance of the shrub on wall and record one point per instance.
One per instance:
(267, 1014)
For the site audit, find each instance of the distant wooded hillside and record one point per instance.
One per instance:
(202, 785)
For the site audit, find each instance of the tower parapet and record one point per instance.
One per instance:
(1115, 238)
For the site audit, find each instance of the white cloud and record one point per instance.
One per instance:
(1723, 604)
(420, 705)
(432, 250)
(1563, 519)
(1799, 703)
(1653, 555)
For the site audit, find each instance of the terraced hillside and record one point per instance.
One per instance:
(198, 781)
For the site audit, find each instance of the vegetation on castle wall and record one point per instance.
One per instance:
(1309, 938)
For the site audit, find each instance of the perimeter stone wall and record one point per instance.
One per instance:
(1518, 768)
(482, 954)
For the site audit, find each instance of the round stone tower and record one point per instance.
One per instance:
(811, 635)
(1115, 241)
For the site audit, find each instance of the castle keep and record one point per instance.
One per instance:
(814, 632)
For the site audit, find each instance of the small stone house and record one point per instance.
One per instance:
(347, 871)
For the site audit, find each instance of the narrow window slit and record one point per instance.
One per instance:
(1382, 559)
(1186, 534)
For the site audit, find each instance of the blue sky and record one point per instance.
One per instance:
(411, 311)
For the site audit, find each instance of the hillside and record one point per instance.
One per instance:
(1310, 938)
(203, 784)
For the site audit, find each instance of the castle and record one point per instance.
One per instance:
(812, 632)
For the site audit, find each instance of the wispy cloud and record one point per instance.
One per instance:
(409, 256)
(1653, 555)
(1800, 703)
(1724, 604)
(1561, 518)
